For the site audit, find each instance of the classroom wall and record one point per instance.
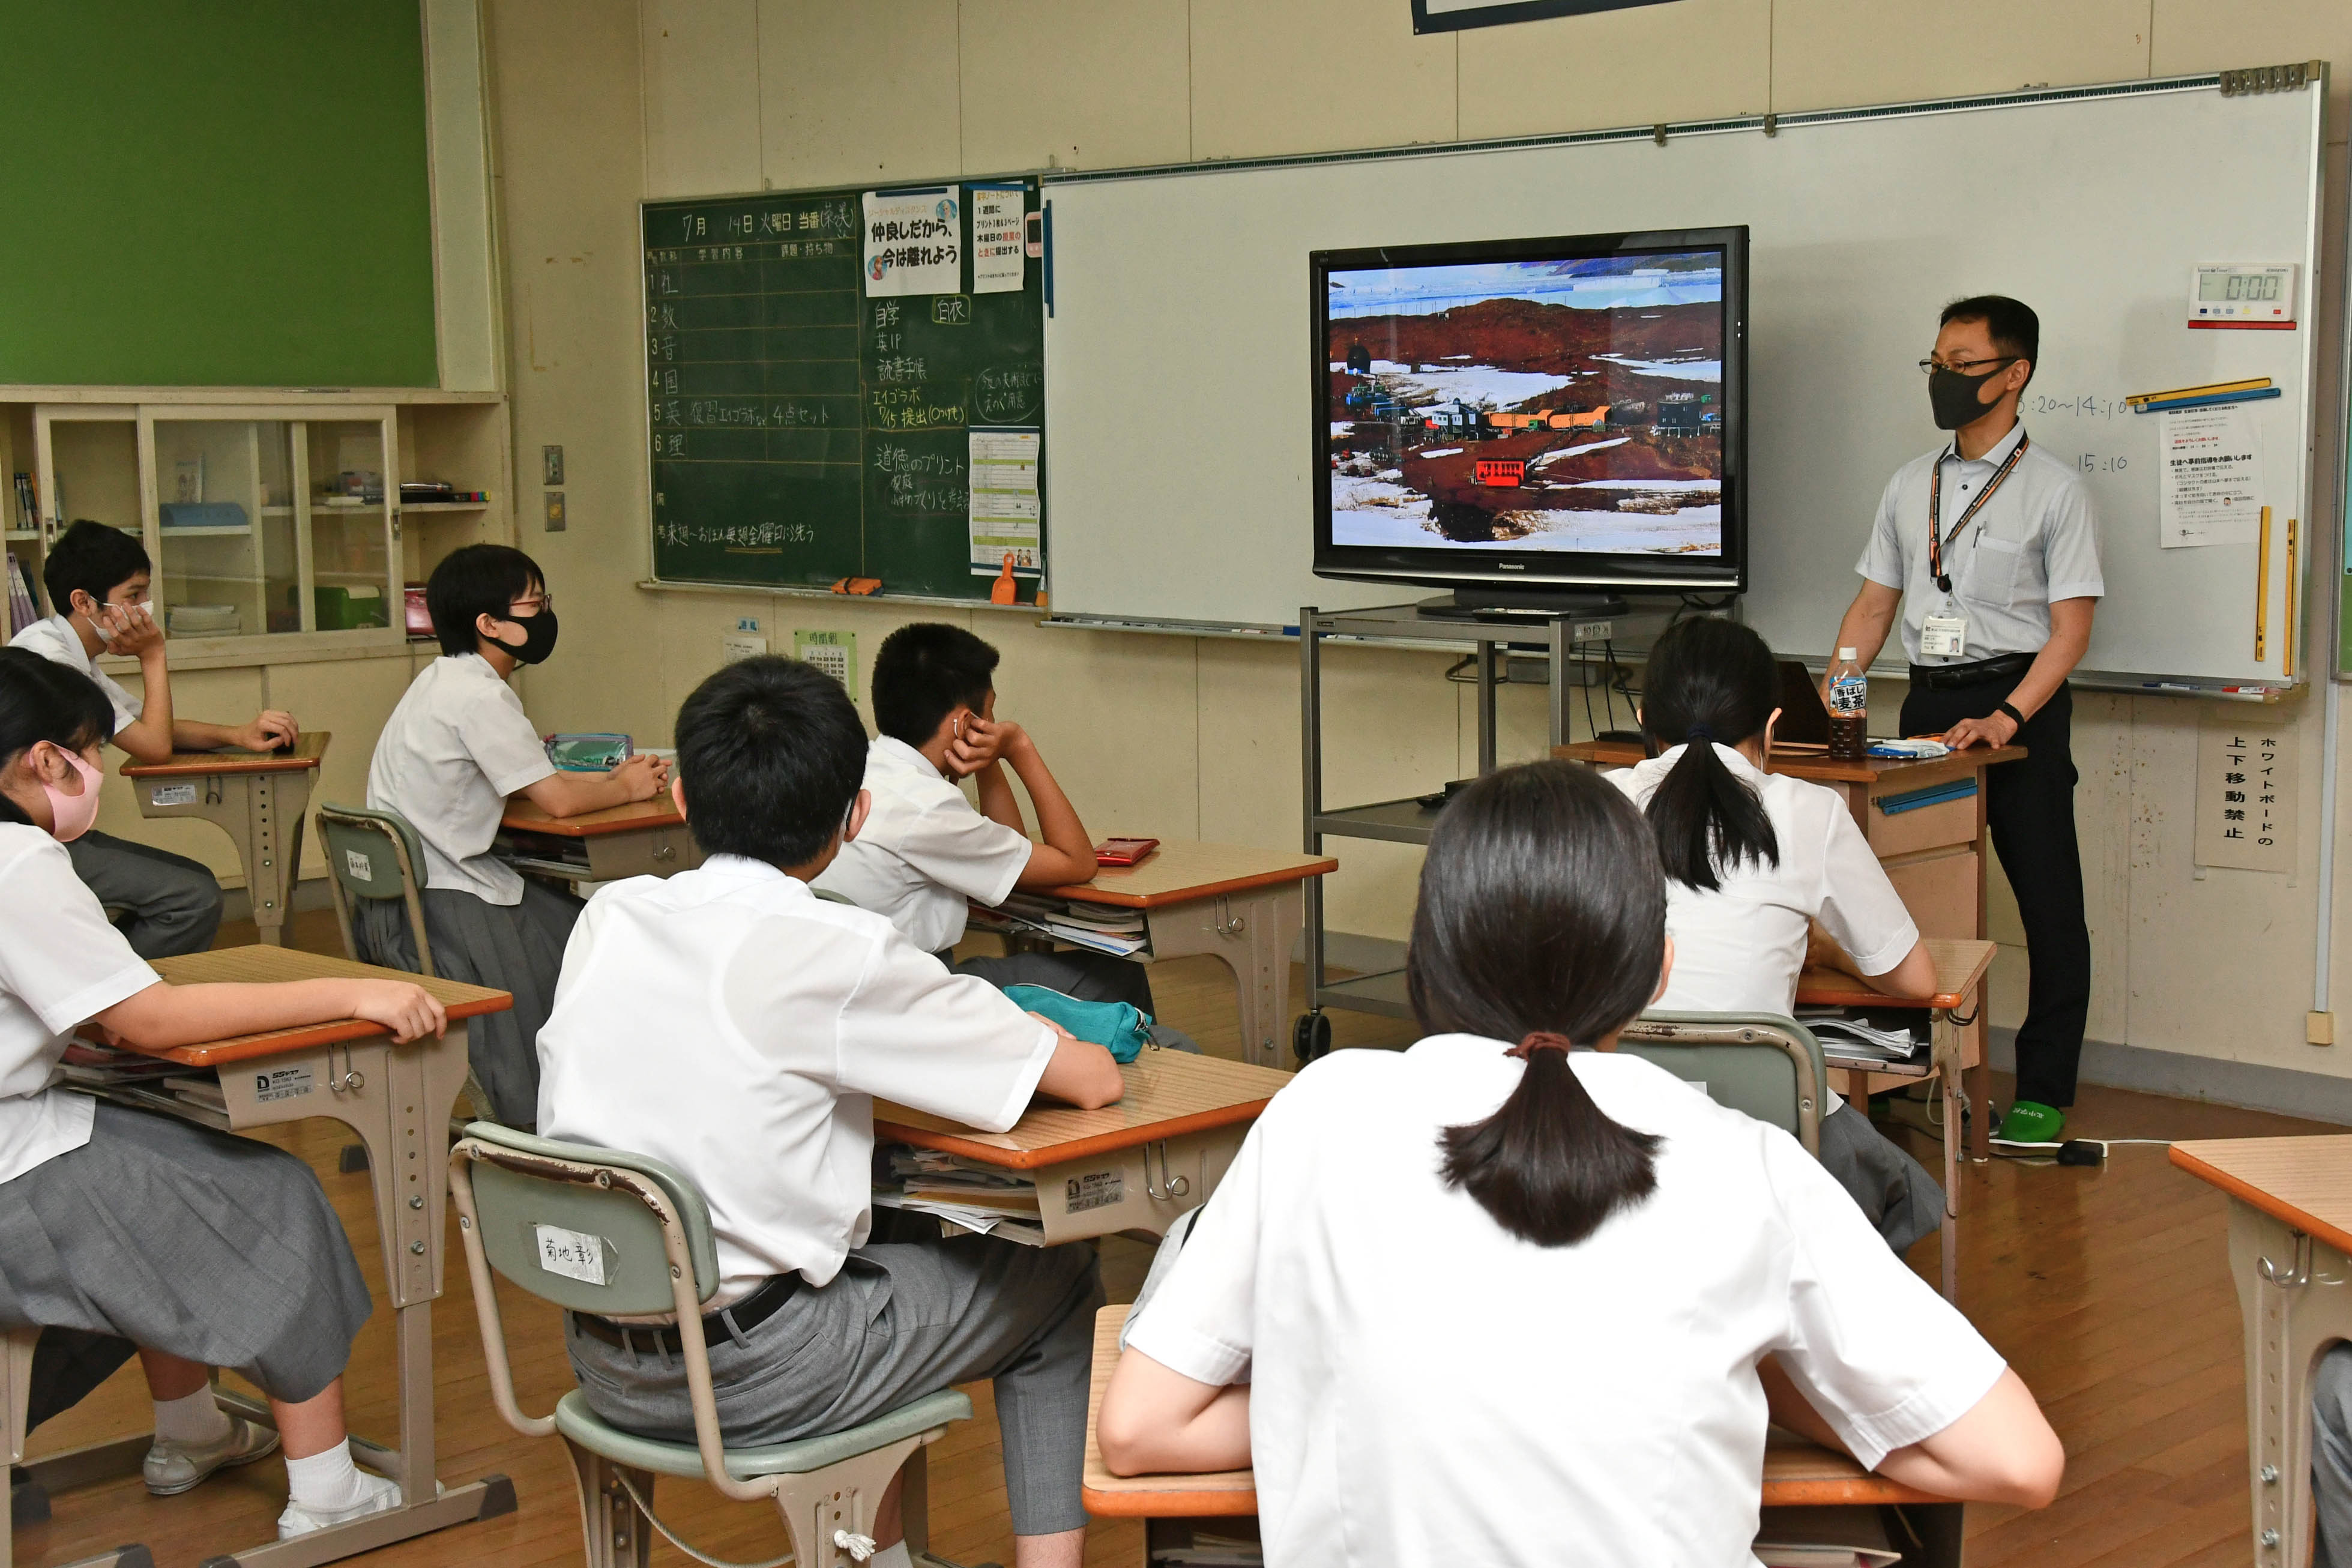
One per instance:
(599, 102)
(231, 194)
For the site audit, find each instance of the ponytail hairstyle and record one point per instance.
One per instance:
(1708, 680)
(1542, 920)
(39, 701)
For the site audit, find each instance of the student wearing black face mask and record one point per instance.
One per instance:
(1991, 549)
(451, 752)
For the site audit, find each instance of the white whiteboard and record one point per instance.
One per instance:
(1178, 360)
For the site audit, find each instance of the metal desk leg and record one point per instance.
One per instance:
(2295, 1293)
(262, 815)
(397, 1099)
(1948, 1041)
(1251, 933)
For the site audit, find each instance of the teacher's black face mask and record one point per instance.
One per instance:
(537, 637)
(1953, 396)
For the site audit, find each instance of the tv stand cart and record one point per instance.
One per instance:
(1563, 639)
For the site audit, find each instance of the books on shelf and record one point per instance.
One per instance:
(28, 506)
(959, 1192)
(1845, 1033)
(1848, 1537)
(1101, 928)
(22, 611)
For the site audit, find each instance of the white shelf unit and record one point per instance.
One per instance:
(94, 452)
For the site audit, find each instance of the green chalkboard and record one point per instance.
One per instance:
(807, 425)
(231, 194)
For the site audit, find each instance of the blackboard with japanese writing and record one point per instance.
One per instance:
(847, 384)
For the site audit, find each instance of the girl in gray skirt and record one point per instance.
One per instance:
(122, 1230)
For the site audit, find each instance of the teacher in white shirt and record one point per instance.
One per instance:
(1991, 549)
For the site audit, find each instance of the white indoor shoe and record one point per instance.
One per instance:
(376, 1496)
(172, 1466)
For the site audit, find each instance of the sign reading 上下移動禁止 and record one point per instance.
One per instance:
(2246, 792)
(914, 241)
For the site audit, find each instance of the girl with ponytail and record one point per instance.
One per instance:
(1764, 873)
(1510, 1297)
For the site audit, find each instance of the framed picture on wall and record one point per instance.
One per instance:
(1452, 15)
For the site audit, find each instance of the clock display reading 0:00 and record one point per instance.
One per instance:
(2240, 286)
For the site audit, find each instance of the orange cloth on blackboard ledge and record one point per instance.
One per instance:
(1002, 591)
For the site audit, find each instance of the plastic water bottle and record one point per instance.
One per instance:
(1849, 702)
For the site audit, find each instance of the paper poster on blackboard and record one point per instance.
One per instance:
(914, 242)
(804, 431)
(996, 217)
(1004, 502)
(2210, 477)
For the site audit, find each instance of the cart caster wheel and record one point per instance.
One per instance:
(1310, 1037)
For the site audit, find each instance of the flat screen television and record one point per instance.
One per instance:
(1530, 421)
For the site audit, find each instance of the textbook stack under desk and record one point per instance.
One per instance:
(1131, 1167)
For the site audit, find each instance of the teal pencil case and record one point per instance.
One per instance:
(589, 754)
(1120, 1026)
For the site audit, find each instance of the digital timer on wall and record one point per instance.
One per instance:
(2243, 294)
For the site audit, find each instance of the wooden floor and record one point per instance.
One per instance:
(2106, 1287)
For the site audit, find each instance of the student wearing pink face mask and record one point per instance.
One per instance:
(126, 1232)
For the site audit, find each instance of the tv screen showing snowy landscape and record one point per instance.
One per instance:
(1570, 405)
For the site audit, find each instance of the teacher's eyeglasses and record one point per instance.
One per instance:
(1931, 365)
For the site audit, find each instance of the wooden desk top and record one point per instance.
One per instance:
(1883, 774)
(244, 965)
(1180, 871)
(2306, 1183)
(635, 816)
(1169, 1093)
(308, 748)
(1797, 1473)
(1960, 965)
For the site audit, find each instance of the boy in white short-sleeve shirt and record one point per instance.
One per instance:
(926, 855)
(100, 584)
(453, 753)
(732, 1024)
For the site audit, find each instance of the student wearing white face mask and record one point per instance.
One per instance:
(99, 580)
(122, 1229)
(1754, 861)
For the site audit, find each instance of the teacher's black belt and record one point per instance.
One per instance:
(749, 1313)
(1980, 672)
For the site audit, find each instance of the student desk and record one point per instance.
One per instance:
(1131, 1166)
(398, 1099)
(1797, 1474)
(2291, 1255)
(255, 798)
(1933, 852)
(643, 839)
(1959, 975)
(1242, 905)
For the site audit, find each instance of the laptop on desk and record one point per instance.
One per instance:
(1804, 723)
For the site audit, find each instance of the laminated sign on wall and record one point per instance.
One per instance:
(914, 241)
(2246, 793)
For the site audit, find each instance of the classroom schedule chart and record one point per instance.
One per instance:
(806, 426)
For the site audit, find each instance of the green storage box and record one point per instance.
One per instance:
(349, 610)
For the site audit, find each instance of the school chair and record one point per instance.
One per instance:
(377, 856)
(616, 1233)
(1760, 1063)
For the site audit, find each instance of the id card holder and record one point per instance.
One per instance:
(1944, 636)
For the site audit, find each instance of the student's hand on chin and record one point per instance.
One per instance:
(408, 1011)
(132, 631)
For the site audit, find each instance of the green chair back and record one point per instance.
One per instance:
(375, 856)
(567, 1222)
(1760, 1063)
